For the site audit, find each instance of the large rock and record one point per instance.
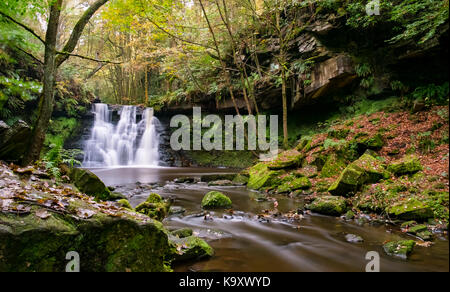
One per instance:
(411, 209)
(90, 184)
(329, 75)
(401, 249)
(189, 248)
(406, 165)
(333, 166)
(154, 207)
(261, 176)
(328, 205)
(14, 141)
(216, 200)
(294, 183)
(104, 243)
(287, 159)
(366, 169)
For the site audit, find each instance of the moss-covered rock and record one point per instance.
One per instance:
(104, 243)
(189, 248)
(328, 205)
(221, 183)
(183, 232)
(411, 209)
(374, 143)
(90, 184)
(401, 249)
(287, 159)
(338, 133)
(366, 169)
(333, 166)
(216, 200)
(124, 203)
(348, 182)
(261, 176)
(304, 144)
(241, 179)
(292, 183)
(407, 165)
(154, 207)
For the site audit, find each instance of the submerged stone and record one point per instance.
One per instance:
(328, 205)
(216, 200)
(352, 238)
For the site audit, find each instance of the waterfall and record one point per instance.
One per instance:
(129, 143)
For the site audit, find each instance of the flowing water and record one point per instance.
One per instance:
(127, 143)
(245, 242)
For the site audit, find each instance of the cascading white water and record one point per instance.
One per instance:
(111, 145)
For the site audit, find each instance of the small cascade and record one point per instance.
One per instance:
(129, 143)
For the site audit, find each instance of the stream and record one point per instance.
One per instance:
(245, 243)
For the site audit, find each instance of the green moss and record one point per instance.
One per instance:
(401, 249)
(328, 205)
(215, 200)
(183, 233)
(412, 209)
(154, 207)
(338, 134)
(366, 169)
(287, 159)
(241, 179)
(125, 204)
(261, 176)
(407, 165)
(333, 166)
(292, 183)
(88, 183)
(189, 248)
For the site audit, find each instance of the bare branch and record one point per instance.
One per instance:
(77, 31)
(23, 26)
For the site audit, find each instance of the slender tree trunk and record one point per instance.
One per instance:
(47, 98)
(146, 86)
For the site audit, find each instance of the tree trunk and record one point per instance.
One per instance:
(47, 98)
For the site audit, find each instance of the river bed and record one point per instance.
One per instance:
(246, 242)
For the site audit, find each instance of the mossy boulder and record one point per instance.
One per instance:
(401, 249)
(261, 176)
(292, 183)
(287, 159)
(407, 165)
(411, 209)
(90, 184)
(124, 203)
(366, 169)
(421, 231)
(333, 166)
(241, 179)
(189, 248)
(304, 145)
(154, 207)
(183, 232)
(216, 200)
(375, 142)
(328, 205)
(104, 243)
(338, 133)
